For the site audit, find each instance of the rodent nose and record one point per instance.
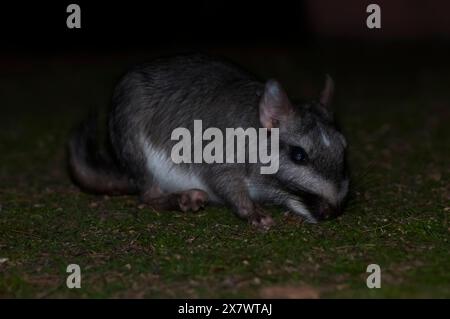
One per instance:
(328, 211)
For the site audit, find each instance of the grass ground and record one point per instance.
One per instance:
(394, 109)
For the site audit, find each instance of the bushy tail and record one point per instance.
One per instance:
(92, 169)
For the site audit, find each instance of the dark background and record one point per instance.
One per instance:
(147, 24)
(295, 41)
(41, 25)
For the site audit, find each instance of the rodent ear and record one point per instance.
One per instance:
(328, 91)
(274, 105)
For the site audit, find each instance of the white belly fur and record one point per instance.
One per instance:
(169, 176)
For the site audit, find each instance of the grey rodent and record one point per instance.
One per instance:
(153, 99)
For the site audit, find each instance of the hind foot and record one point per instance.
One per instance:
(261, 219)
(192, 200)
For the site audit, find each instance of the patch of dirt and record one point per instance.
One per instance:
(290, 292)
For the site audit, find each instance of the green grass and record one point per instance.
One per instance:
(396, 122)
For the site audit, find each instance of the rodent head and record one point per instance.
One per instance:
(312, 172)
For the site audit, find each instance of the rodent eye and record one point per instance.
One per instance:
(298, 155)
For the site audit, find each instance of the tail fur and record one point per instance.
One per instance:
(92, 169)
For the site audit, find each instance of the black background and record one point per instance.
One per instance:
(41, 25)
(32, 26)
